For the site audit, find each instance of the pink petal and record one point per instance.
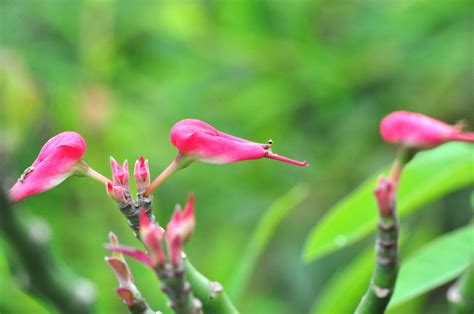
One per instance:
(139, 255)
(49, 172)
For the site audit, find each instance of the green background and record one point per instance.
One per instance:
(314, 76)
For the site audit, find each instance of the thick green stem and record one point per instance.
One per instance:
(387, 263)
(36, 263)
(461, 293)
(211, 293)
(385, 273)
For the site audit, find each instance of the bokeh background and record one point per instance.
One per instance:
(314, 76)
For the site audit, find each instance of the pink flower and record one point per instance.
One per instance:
(414, 130)
(59, 158)
(200, 141)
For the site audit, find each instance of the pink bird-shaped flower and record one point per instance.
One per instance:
(200, 141)
(414, 130)
(59, 158)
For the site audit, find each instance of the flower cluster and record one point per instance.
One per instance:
(178, 231)
(61, 157)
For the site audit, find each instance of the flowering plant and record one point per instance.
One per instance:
(187, 290)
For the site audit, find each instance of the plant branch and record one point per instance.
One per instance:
(387, 264)
(35, 262)
(211, 293)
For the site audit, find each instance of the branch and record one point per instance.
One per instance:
(387, 263)
(36, 263)
(211, 293)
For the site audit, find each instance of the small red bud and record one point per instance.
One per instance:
(116, 193)
(142, 174)
(385, 196)
(120, 173)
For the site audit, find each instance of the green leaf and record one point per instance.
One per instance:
(438, 262)
(430, 176)
(260, 238)
(345, 289)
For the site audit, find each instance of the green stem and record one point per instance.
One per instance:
(461, 293)
(36, 263)
(385, 273)
(387, 264)
(211, 293)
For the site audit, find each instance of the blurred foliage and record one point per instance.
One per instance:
(314, 76)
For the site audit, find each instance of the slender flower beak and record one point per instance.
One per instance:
(58, 159)
(417, 131)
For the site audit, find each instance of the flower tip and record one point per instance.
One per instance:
(13, 196)
(271, 155)
(113, 238)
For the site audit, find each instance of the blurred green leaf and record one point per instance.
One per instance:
(351, 283)
(438, 262)
(430, 176)
(262, 234)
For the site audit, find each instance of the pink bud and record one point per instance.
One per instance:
(121, 270)
(175, 247)
(120, 174)
(142, 174)
(139, 255)
(385, 196)
(151, 235)
(182, 223)
(179, 229)
(414, 130)
(116, 192)
(200, 141)
(59, 158)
